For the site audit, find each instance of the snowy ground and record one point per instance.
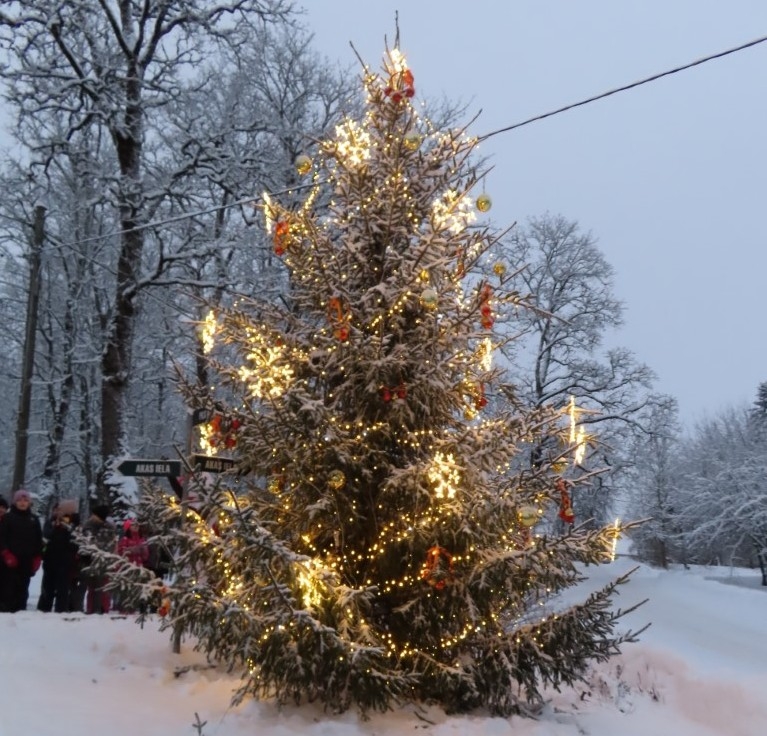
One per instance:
(700, 670)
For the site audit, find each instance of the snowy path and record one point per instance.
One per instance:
(699, 670)
(719, 629)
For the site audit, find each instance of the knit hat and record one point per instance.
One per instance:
(102, 511)
(21, 494)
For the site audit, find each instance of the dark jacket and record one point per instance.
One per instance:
(60, 547)
(20, 533)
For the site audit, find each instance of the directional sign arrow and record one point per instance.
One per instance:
(140, 467)
(209, 464)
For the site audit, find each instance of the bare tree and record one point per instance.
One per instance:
(108, 67)
(562, 354)
(652, 484)
(231, 132)
(721, 499)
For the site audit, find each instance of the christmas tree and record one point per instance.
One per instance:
(387, 532)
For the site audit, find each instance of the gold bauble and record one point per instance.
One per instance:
(559, 465)
(484, 203)
(499, 269)
(527, 515)
(412, 140)
(429, 298)
(336, 479)
(303, 164)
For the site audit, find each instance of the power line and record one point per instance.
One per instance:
(252, 200)
(185, 216)
(625, 87)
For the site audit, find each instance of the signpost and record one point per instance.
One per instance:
(150, 468)
(209, 464)
(201, 416)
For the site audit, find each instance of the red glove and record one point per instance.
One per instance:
(9, 558)
(36, 562)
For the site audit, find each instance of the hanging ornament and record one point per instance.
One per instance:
(559, 465)
(565, 503)
(339, 318)
(480, 400)
(164, 608)
(437, 569)
(499, 269)
(222, 431)
(394, 393)
(281, 237)
(484, 202)
(303, 164)
(412, 140)
(424, 276)
(484, 306)
(429, 298)
(528, 516)
(276, 483)
(400, 86)
(336, 480)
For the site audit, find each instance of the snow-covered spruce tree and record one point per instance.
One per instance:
(381, 540)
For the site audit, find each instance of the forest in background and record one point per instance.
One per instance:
(149, 140)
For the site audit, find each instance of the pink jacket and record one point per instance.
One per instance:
(134, 547)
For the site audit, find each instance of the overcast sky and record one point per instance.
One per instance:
(669, 177)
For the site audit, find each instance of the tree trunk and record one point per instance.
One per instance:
(60, 406)
(762, 557)
(116, 359)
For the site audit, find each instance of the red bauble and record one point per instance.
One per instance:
(341, 333)
(565, 504)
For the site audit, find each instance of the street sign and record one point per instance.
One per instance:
(140, 467)
(209, 464)
(201, 416)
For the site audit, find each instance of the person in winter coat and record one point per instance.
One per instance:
(3, 512)
(102, 533)
(21, 549)
(133, 546)
(59, 560)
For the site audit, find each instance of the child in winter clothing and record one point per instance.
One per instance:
(133, 546)
(21, 549)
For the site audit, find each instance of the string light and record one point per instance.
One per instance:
(208, 330)
(352, 143)
(444, 475)
(453, 212)
(577, 433)
(414, 511)
(616, 533)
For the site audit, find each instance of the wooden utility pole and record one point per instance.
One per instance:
(30, 334)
